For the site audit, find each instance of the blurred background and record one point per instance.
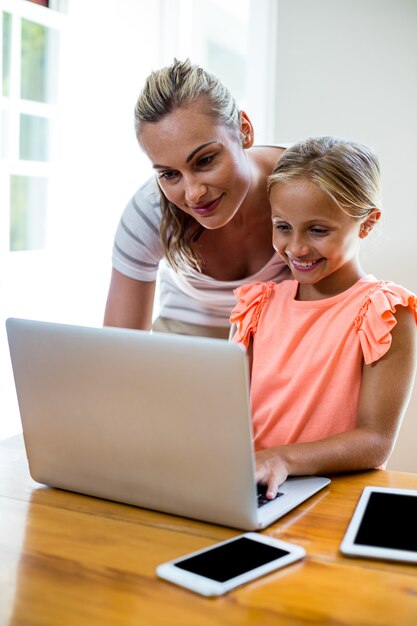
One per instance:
(71, 71)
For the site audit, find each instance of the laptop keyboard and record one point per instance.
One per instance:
(262, 499)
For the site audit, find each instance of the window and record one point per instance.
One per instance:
(30, 49)
(30, 53)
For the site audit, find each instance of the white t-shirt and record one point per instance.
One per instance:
(189, 296)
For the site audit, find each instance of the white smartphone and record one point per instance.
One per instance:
(216, 570)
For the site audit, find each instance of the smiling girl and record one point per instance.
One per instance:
(333, 351)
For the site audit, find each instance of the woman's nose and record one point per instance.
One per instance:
(194, 190)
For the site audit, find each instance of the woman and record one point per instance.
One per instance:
(202, 225)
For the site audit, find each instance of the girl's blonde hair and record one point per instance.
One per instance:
(347, 171)
(166, 90)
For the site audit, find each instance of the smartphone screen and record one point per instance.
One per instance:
(231, 559)
(231, 563)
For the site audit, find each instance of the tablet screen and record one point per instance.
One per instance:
(389, 521)
(383, 525)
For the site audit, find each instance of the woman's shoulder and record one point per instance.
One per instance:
(144, 207)
(265, 151)
(148, 192)
(266, 155)
(272, 146)
(137, 247)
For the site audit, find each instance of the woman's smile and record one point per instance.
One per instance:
(208, 207)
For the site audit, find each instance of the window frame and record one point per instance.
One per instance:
(12, 106)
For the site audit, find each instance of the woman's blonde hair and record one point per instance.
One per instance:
(166, 90)
(347, 171)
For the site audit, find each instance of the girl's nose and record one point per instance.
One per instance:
(297, 247)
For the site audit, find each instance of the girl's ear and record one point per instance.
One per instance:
(246, 130)
(371, 219)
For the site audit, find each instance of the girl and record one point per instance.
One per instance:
(334, 350)
(202, 224)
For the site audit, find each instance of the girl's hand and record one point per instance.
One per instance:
(270, 470)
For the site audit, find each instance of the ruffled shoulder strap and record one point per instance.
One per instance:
(376, 318)
(251, 298)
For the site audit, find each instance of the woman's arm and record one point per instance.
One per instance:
(129, 302)
(385, 392)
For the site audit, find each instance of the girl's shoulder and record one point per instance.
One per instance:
(251, 299)
(251, 293)
(376, 316)
(383, 295)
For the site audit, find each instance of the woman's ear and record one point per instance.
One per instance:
(367, 225)
(246, 130)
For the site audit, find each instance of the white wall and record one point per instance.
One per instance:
(349, 68)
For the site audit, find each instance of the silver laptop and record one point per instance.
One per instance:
(158, 421)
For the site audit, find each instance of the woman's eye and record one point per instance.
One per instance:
(205, 160)
(169, 175)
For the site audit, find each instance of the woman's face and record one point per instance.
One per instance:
(200, 164)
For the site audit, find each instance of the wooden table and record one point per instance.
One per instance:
(67, 559)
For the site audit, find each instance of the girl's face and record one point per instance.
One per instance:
(316, 239)
(200, 164)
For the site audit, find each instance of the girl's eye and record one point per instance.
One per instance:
(282, 227)
(320, 232)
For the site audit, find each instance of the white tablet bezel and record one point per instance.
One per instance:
(348, 546)
(209, 587)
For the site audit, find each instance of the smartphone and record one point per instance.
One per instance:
(216, 570)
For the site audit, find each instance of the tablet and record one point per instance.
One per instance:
(384, 525)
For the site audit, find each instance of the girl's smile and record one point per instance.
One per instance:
(317, 240)
(304, 266)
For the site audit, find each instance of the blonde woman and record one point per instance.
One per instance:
(201, 224)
